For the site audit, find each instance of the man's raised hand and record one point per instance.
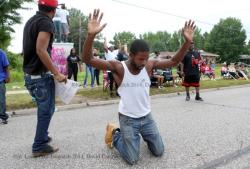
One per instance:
(188, 31)
(94, 22)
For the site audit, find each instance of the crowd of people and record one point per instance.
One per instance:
(234, 71)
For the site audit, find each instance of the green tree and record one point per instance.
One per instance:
(198, 39)
(123, 38)
(227, 39)
(9, 17)
(175, 41)
(206, 41)
(159, 41)
(16, 61)
(78, 27)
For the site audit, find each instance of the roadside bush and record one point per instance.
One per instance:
(16, 61)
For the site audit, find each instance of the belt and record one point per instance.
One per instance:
(37, 76)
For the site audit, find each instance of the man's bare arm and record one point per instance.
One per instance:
(94, 27)
(41, 50)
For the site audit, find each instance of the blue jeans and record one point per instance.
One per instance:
(90, 69)
(43, 90)
(3, 114)
(127, 140)
(58, 31)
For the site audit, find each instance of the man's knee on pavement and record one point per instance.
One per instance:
(156, 148)
(159, 150)
(132, 160)
(131, 150)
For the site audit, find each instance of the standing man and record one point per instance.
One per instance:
(190, 69)
(96, 71)
(58, 25)
(40, 72)
(65, 23)
(4, 78)
(110, 55)
(132, 77)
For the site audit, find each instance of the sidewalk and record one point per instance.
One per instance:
(27, 92)
(17, 92)
(87, 103)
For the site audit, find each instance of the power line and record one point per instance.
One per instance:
(165, 13)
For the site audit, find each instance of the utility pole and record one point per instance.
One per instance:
(80, 38)
(180, 33)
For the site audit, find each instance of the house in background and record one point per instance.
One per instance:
(209, 57)
(245, 59)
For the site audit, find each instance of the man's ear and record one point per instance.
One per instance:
(54, 12)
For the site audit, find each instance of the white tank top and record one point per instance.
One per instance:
(134, 92)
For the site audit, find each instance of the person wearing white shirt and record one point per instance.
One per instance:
(58, 25)
(110, 54)
(65, 22)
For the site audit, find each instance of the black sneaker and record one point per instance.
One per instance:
(187, 98)
(3, 121)
(49, 150)
(198, 98)
(49, 139)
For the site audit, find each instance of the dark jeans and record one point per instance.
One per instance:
(43, 90)
(73, 71)
(58, 31)
(3, 114)
(111, 82)
(96, 74)
(127, 140)
(89, 68)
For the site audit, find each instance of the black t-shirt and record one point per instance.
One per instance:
(189, 67)
(72, 61)
(38, 23)
(122, 57)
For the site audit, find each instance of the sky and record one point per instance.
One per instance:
(141, 16)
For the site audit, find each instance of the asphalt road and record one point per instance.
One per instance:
(210, 134)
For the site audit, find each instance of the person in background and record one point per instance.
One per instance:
(65, 23)
(72, 64)
(232, 71)
(209, 72)
(224, 70)
(4, 78)
(157, 74)
(89, 69)
(96, 71)
(168, 76)
(110, 54)
(123, 53)
(191, 72)
(58, 25)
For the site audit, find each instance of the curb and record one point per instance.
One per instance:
(32, 111)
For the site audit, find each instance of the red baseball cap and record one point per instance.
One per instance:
(50, 3)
